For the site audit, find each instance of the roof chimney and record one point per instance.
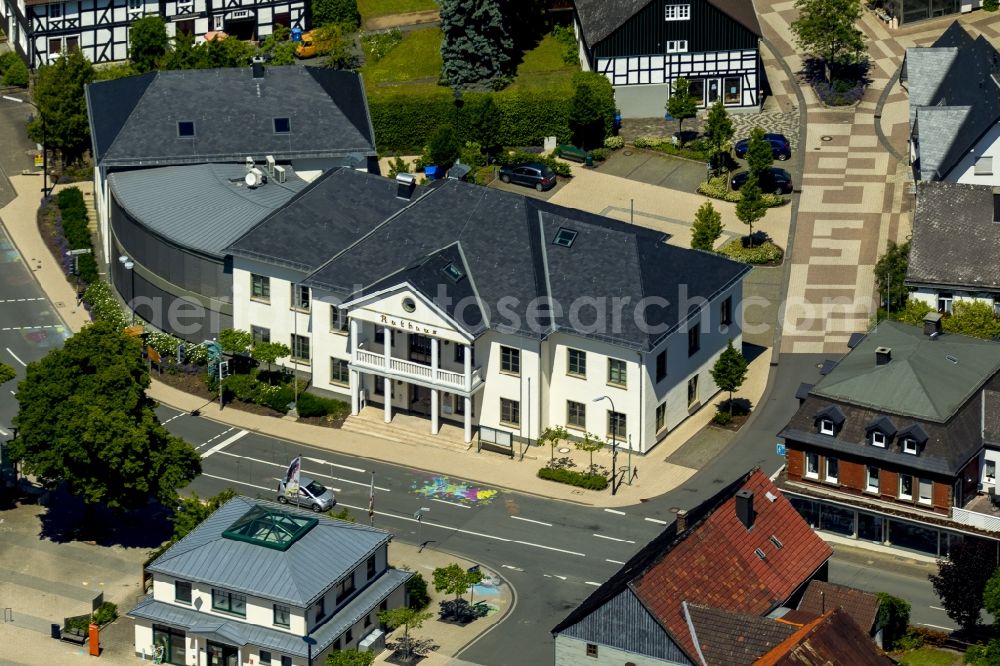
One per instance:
(744, 508)
(257, 67)
(682, 521)
(405, 184)
(883, 355)
(932, 325)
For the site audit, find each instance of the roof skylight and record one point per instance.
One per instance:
(185, 128)
(282, 126)
(564, 237)
(453, 273)
(270, 528)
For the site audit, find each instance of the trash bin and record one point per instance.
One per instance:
(296, 34)
(617, 121)
(589, 161)
(431, 172)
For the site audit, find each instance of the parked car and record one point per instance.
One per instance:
(780, 148)
(571, 152)
(773, 180)
(530, 174)
(311, 494)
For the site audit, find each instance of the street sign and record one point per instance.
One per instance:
(223, 370)
(74, 253)
(780, 448)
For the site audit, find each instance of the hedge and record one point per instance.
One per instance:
(314, 405)
(73, 219)
(7, 373)
(717, 189)
(588, 481)
(761, 253)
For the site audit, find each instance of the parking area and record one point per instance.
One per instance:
(646, 166)
(530, 191)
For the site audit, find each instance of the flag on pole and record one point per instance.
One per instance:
(292, 477)
(371, 501)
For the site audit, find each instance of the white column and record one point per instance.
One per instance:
(355, 393)
(434, 392)
(468, 420)
(468, 367)
(387, 383)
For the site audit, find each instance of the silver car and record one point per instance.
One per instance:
(311, 494)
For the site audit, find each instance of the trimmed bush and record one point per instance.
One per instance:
(614, 142)
(416, 592)
(7, 60)
(16, 75)
(692, 150)
(763, 253)
(103, 305)
(722, 418)
(314, 405)
(573, 478)
(516, 157)
(7, 373)
(717, 189)
(106, 613)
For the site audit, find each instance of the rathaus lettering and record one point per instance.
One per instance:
(407, 325)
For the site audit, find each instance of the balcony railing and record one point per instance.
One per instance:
(409, 370)
(974, 519)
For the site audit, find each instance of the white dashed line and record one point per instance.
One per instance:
(529, 520)
(207, 442)
(511, 567)
(174, 417)
(938, 608)
(320, 461)
(558, 550)
(620, 513)
(226, 442)
(16, 358)
(29, 328)
(310, 472)
(21, 300)
(4, 432)
(554, 576)
(590, 582)
(613, 561)
(656, 520)
(936, 626)
(601, 536)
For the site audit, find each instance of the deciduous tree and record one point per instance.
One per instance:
(759, 155)
(339, 12)
(592, 110)
(60, 99)
(475, 44)
(707, 227)
(991, 596)
(961, 580)
(453, 579)
(269, 352)
(827, 29)
(408, 618)
(751, 206)
(718, 132)
(234, 340)
(730, 371)
(890, 271)
(588, 444)
(85, 420)
(552, 435)
(148, 42)
(681, 105)
(278, 48)
(192, 511)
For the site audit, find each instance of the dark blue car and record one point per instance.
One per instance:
(773, 180)
(780, 148)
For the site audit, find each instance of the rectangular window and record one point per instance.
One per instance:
(348, 636)
(260, 334)
(726, 312)
(661, 416)
(812, 465)
(926, 491)
(678, 12)
(338, 319)
(878, 439)
(173, 643)
(229, 602)
(319, 610)
(825, 427)
(693, 391)
(616, 424)
(345, 588)
(368, 620)
(909, 446)
(264, 657)
(185, 128)
(134, 4)
(380, 336)
(72, 44)
(300, 297)
(300, 347)
(871, 479)
(182, 591)
(370, 567)
(576, 415)
(260, 287)
(731, 91)
(661, 366)
(510, 412)
(591, 650)
(282, 126)
(990, 471)
(510, 360)
(984, 166)
(677, 46)
(55, 45)
(905, 487)
(339, 372)
(832, 470)
(282, 615)
(55, 10)
(577, 362)
(460, 355)
(617, 372)
(286, 661)
(944, 302)
(694, 339)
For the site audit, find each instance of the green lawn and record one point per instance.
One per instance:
(418, 56)
(370, 8)
(543, 68)
(929, 656)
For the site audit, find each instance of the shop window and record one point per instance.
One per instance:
(731, 91)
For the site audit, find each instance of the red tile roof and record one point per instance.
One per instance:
(821, 596)
(714, 563)
(833, 638)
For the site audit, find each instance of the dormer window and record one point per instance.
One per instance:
(829, 420)
(185, 128)
(910, 446)
(825, 427)
(878, 439)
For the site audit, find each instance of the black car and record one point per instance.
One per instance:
(529, 174)
(780, 148)
(773, 180)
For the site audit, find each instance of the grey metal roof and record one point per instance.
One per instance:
(954, 98)
(236, 632)
(505, 241)
(297, 576)
(920, 381)
(335, 210)
(133, 121)
(955, 242)
(200, 206)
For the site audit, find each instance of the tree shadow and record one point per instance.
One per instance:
(741, 406)
(752, 351)
(67, 518)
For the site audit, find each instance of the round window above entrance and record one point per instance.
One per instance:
(409, 304)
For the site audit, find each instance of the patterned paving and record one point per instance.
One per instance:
(856, 195)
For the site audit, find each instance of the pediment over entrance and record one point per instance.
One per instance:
(404, 309)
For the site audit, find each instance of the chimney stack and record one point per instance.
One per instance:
(257, 67)
(744, 508)
(405, 184)
(883, 355)
(682, 521)
(932, 325)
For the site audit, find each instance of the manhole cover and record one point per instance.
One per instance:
(564, 450)
(626, 153)
(826, 137)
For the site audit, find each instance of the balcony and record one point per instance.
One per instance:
(367, 361)
(979, 512)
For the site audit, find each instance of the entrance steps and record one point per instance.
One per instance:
(406, 429)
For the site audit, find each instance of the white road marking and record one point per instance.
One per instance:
(21, 300)
(15, 357)
(590, 582)
(511, 567)
(460, 506)
(936, 626)
(555, 576)
(209, 441)
(558, 550)
(173, 417)
(319, 461)
(529, 520)
(307, 471)
(613, 561)
(224, 443)
(601, 536)
(3, 432)
(656, 520)
(244, 483)
(620, 513)
(938, 608)
(29, 328)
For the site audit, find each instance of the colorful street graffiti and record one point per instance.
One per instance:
(487, 592)
(45, 338)
(448, 490)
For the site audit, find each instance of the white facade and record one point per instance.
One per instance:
(572, 651)
(942, 300)
(981, 165)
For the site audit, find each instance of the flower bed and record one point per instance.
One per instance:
(716, 188)
(573, 478)
(764, 253)
(693, 150)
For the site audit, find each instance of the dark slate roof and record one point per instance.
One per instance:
(949, 446)
(927, 379)
(802, 392)
(832, 412)
(821, 597)
(296, 576)
(242, 634)
(600, 18)
(833, 638)
(733, 639)
(741, 11)
(855, 339)
(883, 424)
(955, 241)
(505, 243)
(954, 98)
(133, 121)
(991, 417)
(335, 210)
(200, 206)
(827, 367)
(713, 562)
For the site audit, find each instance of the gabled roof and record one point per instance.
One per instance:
(134, 120)
(954, 98)
(714, 562)
(831, 412)
(821, 597)
(952, 250)
(883, 424)
(296, 576)
(733, 639)
(927, 379)
(600, 18)
(991, 414)
(833, 638)
(915, 432)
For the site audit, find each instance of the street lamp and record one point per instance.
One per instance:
(45, 148)
(129, 266)
(614, 442)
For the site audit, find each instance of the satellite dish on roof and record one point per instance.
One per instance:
(254, 178)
